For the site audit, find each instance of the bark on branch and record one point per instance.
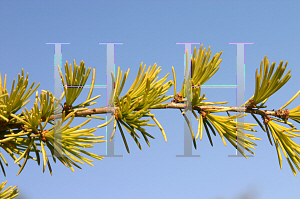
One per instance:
(172, 105)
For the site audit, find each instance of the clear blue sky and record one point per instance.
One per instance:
(149, 31)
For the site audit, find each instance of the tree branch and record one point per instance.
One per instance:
(172, 105)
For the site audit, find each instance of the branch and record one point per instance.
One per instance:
(146, 93)
(172, 105)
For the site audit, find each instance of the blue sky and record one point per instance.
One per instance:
(149, 31)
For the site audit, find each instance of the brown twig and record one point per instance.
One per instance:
(250, 105)
(177, 98)
(266, 119)
(283, 114)
(43, 135)
(172, 105)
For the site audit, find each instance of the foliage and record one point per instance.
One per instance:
(8, 193)
(27, 134)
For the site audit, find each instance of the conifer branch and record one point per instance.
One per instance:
(171, 105)
(21, 134)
